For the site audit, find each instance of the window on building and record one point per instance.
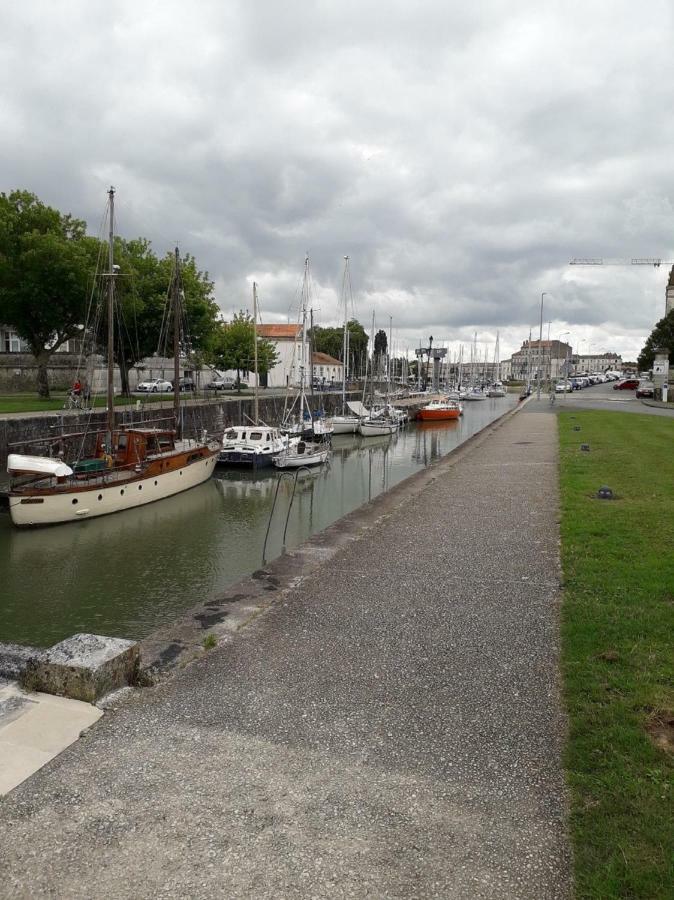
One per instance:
(12, 342)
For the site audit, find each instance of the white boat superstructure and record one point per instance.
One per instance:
(253, 445)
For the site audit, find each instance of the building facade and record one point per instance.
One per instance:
(550, 358)
(326, 369)
(287, 340)
(597, 362)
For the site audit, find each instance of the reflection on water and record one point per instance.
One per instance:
(128, 573)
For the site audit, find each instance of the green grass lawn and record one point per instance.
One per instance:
(11, 403)
(618, 651)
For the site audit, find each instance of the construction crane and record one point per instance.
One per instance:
(637, 261)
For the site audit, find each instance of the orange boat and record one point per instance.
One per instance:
(439, 409)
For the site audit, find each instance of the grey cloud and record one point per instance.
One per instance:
(460, 156)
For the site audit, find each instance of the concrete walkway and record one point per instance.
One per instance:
(34, 728)
(391, 728)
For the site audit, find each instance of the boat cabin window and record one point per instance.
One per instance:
(232, 434)
(165, 442)
(121, 442)
(256, 436)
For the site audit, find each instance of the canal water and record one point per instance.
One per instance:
(126, 574)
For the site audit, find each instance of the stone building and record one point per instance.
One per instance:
(669, 293)
(548, 356)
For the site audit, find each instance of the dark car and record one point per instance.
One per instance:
(186, 384)
(627, 384)
(646, 389)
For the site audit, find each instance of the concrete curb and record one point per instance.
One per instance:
(179, 643)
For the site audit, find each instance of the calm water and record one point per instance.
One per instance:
(128, 573)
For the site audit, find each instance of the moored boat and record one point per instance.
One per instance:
(303, 453)
(440, 409)
(252, 445)
(90, 474)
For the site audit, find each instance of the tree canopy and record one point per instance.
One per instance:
(48, 267)
(232, 346)
(331, 341)
(46, 274)
(661, 336)
(142, 287)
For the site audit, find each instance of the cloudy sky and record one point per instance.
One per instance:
(460, 154)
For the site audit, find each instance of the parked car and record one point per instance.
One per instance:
(156, 386)
(563, 386)
(646, 389)
(187, 384)
(220, 384)
(627, 384)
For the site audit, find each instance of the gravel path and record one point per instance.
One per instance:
(391, 728)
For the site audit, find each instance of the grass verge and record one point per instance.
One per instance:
(27, 403)
(618, 661)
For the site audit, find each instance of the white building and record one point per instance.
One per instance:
(326, 369)
(596, 362)
(288, 342)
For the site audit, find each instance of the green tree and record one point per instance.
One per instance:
(380, 347)
(661, 336)
(331, 341)
(143, 321)
(46, 262)
(232, 347)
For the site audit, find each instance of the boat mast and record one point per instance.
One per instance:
(111, 325)
(305, 287)
(390, 352)
(175, 300)
(256, 414)
(345, 339)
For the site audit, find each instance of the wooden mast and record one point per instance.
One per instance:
(111, 325)
(257, 377)
(175, 300)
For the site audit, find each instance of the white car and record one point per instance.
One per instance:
(157, 386)
(563, 387)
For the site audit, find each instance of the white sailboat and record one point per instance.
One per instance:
(346, 422)
(378, 422)
(313, 446)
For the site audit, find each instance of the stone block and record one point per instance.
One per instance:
(84, 667)
(15, 658)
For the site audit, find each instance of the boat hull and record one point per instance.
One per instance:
(345, 424)
(298, 460)
(28, 509)
(247, 460)
(377, 429)
(436, 415)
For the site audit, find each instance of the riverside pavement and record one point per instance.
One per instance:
(391, 727)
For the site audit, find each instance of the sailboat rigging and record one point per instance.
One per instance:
(110, 470)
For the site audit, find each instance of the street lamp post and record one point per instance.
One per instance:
(540, 351)
(566, 379)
